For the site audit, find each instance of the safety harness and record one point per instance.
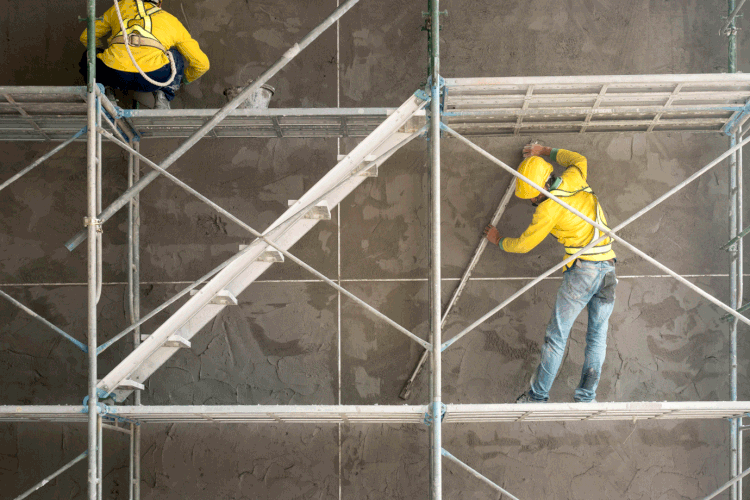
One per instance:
(598, 249)
(139, 29)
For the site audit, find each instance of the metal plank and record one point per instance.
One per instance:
(353, 414)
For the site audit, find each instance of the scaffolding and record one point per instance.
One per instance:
(451, 107)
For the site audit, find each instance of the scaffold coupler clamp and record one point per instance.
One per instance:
(101, 408)
(97, 223)
(428, 19)
(428, 417)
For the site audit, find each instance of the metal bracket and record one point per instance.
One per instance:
(421, 94)
(88, 221)
(271, 255)
(173, 341)
(737, 120)
(223, 298)
(321, 211)
(428, 418)
(370, 172)
(132, 385)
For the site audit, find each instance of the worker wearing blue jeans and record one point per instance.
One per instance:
(588, 281)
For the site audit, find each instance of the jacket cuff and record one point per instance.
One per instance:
(500, 243)
(553, 154)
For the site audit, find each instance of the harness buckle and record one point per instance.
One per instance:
(134, 40)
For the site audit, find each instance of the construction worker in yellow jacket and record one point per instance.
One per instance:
(589, 281)
(163, 52)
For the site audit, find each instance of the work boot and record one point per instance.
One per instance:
(161, 101)
(526, 398)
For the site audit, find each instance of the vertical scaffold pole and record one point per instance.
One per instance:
(93, 477)
(740, 294)
(734, 257)
(436, 444)
(135, 304)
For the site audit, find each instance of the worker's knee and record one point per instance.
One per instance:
(553, 344)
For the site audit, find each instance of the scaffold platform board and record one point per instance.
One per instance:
(625, 103)
(56, 113)
(398, 414)
(472, 106)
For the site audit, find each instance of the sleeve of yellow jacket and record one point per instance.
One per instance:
(570, 159)
(197, 60)
(541, 225)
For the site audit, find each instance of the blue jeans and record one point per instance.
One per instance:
(125, 80)
(587, 283)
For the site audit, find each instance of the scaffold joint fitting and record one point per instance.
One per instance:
(428, 418)
(89, 221)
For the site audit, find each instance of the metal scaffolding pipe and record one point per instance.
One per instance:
(99, 456)
(477, 474)
(31, 313)
(735, 300)
(93, 476)
(217, 118)
(135, 225)
(42, 159)
(52, 476)
(726, 485)
(262, 237)
(606, 231)
(436, 300)
(729, 27)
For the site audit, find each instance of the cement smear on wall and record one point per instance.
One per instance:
(281, 344)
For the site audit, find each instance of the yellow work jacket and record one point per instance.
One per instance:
(165, 27)
(573, 232)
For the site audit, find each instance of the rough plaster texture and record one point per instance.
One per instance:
(280, 346)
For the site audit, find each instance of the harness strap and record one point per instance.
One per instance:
(598, 249)
(136, 40)
(140, 36)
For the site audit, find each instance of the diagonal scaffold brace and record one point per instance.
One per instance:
(406, 391)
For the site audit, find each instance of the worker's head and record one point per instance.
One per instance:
(536, 170)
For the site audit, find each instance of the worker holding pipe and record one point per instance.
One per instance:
(143, 48)
(588, 281)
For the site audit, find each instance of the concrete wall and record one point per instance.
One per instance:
(280, 346)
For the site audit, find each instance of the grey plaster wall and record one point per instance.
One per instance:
(281, 344)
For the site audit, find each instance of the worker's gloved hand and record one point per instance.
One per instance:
(535, 150)
(492, 234)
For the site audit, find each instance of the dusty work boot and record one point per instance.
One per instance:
(526, 398)
(161, 101)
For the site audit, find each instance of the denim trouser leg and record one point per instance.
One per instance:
(589, 284)
(600, 309)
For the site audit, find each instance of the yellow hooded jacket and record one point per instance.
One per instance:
(165, 27)
(569, 229)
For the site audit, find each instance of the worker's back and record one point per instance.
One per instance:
(166, 28)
